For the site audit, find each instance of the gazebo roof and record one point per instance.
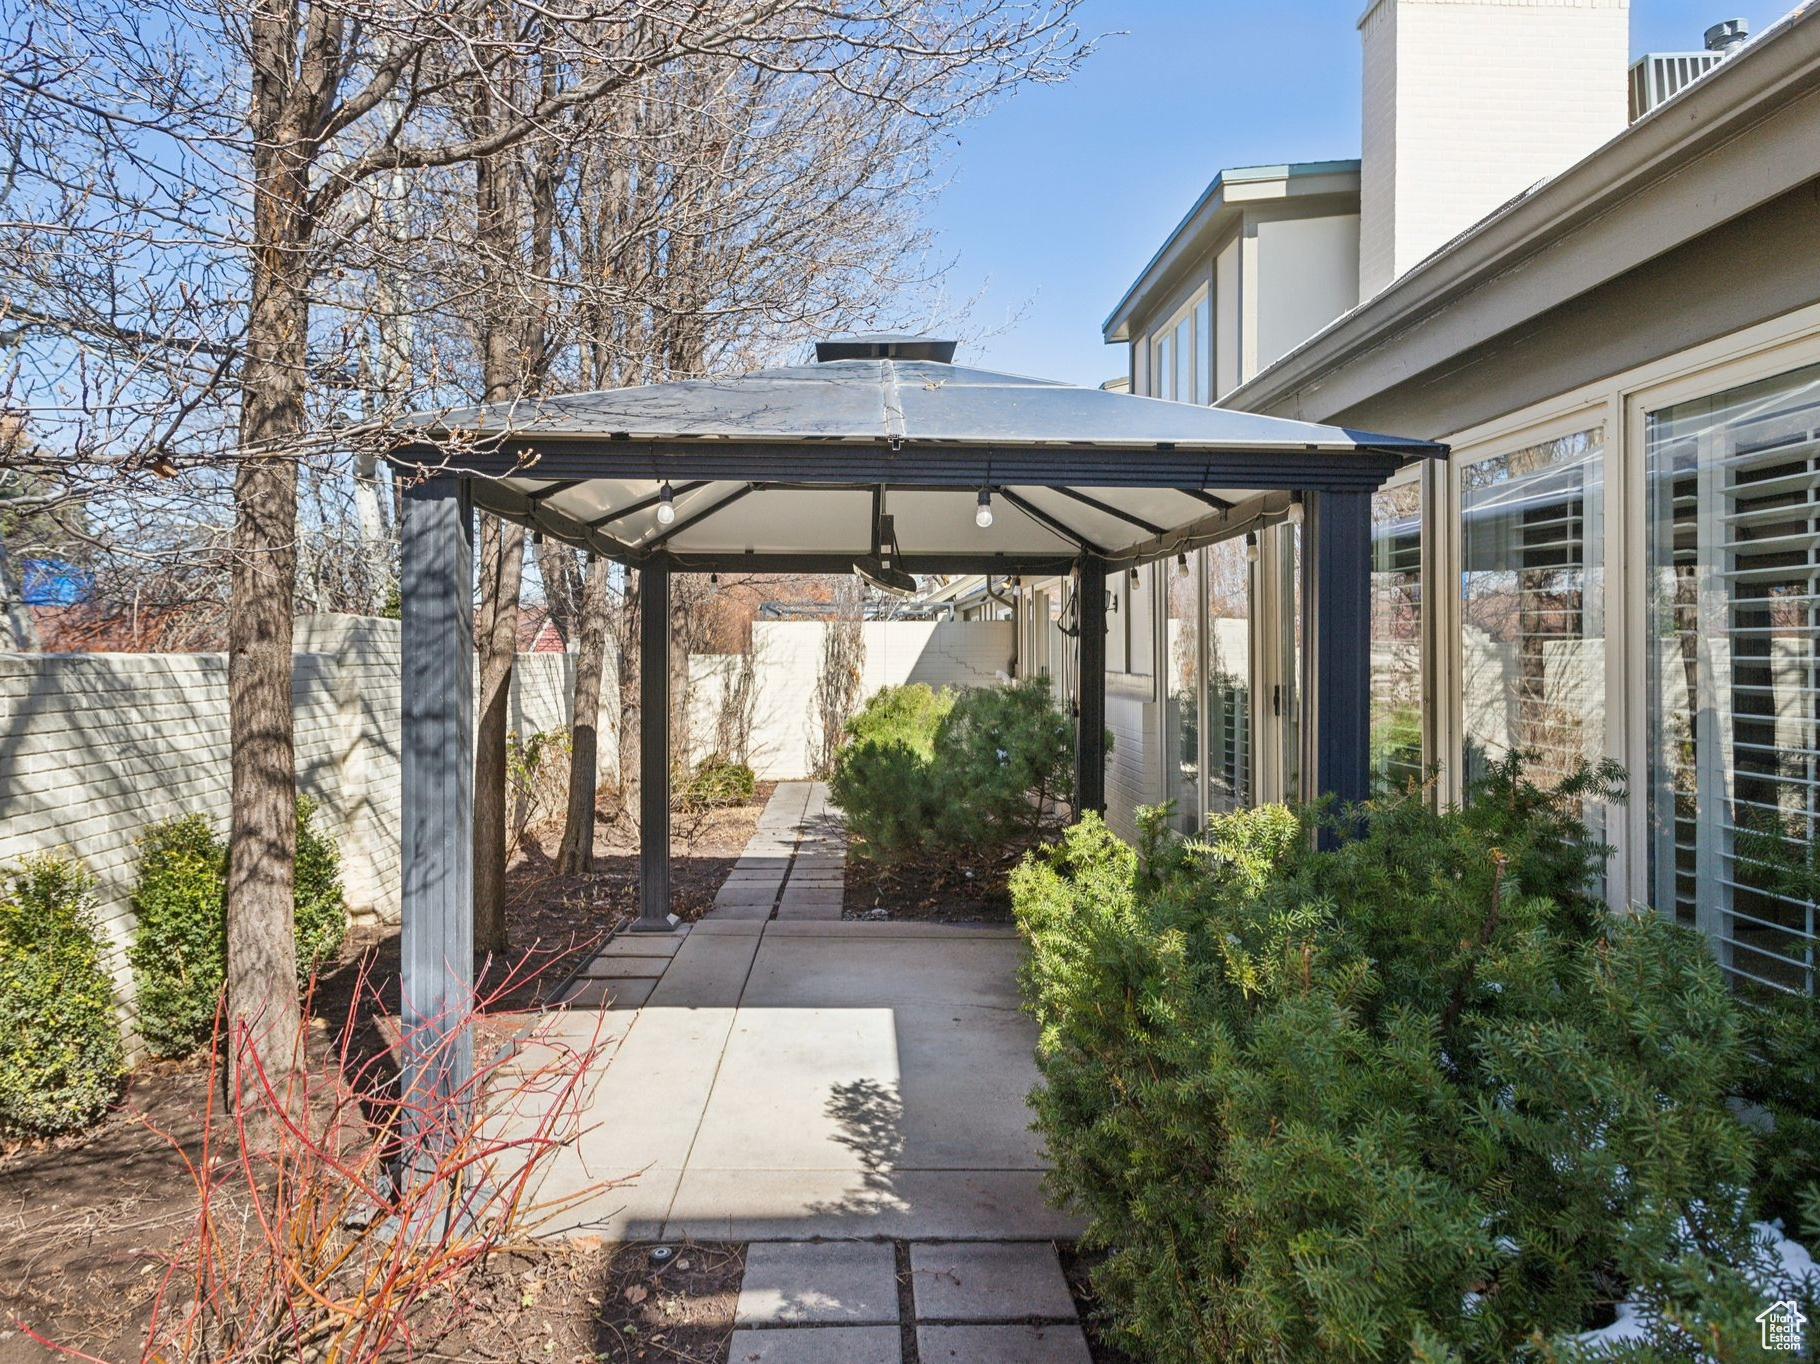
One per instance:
(793, 466)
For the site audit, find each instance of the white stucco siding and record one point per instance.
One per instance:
(1308, 274)
(1228, 369)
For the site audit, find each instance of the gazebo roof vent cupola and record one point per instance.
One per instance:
(885, 346)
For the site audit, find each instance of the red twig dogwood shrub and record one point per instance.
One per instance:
(337, 1216)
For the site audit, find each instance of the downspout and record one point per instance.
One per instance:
(1010, 604)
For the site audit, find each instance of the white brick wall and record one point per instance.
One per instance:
(93, 747)
(1468, 103)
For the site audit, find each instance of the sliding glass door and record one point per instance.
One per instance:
(1734, 587)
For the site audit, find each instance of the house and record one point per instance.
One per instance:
(1599, 282)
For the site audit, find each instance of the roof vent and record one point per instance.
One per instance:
(1660, 76)
(1728, 36)
(885, 347)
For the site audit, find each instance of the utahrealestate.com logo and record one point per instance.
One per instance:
(1782, 1323)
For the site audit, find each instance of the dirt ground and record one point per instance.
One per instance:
(948, 890)
(86, 1220)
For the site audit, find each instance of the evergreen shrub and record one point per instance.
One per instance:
(717, 782)
(60, 1053)
(1783, 1082)
(179, 948)
(1416, 1096)
(953, 774)
(907, 715)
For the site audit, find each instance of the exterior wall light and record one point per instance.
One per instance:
(666, 509)
(983, 517)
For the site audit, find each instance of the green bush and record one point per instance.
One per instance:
(1783, 1082)
(179, 949)
(321, 905)
(908, 715)
(177, 954)
(717, 782)
(60, 1056)
(1415, 1096)
(977, 773)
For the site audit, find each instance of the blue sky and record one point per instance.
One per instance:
(1059, 196)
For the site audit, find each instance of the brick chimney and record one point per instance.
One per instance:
(1470, 102)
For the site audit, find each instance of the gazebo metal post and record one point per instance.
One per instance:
(1336, 656)
(1090, 700)
(654, 747)
(436, 645)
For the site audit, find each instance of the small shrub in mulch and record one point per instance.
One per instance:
(179, 949)
(956, 784)
(60, 1054)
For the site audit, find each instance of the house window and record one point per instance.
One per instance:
(1181, 355)
(1532, 589)
(1734, 592)
(1203, 347)
(1228, 716)
(1396, 635)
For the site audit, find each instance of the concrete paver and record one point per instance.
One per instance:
(1002, 1344)
(948, 1205)
(845, 1282)
(624, 967)
(646, 944)
(709, 973)
(594, 993)
(989, 1281)
(817, 1345)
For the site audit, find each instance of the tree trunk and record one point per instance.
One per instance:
(291, 81)
(577, 854)
(502, 550)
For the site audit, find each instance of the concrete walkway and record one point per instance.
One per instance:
(794, 866)
(848, 1097)
(804, 1076)
(790, 1080)
(848, 1302)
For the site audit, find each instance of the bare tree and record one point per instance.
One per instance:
(190, 180)
(838, 678)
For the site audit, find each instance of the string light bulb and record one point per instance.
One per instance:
(1251, 546)
(1181, 565)
(1295, 509)
(666, 508)
(983, 517)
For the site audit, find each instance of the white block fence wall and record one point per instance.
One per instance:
(787, 659)
(94, 747)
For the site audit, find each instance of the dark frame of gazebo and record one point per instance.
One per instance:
(448, 472)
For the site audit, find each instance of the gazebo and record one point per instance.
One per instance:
(883, 457)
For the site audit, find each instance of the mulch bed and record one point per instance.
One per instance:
(607, 1303)
(950, 890)
(85, 1220)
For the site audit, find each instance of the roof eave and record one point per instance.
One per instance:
(1221, 201)
(1777, 68)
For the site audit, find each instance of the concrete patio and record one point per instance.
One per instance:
(788, 1080)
